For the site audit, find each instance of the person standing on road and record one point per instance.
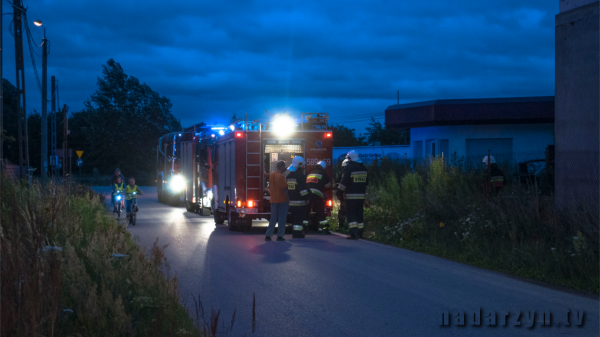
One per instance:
(280, 202)
(318, 182)
(353, 188)
(342, 210)
(299, 195)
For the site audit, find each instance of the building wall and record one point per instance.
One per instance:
(529, 141)
(369, 153)
(577, 104)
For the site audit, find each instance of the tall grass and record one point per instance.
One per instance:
(441, 210)
(69, 269)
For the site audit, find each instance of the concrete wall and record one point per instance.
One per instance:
(577, 103)
(529, 140)
(369, 153)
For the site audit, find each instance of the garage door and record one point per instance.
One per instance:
(500, 148)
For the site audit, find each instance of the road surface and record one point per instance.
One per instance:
(329, 286)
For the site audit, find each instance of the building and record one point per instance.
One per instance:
(513, 129)
(577, 101)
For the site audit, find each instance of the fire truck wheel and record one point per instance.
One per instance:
(232, 220)
(219, 218)
(190, 207)
(205, 211)
(173, 200)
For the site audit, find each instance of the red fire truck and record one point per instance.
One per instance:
(247, 152)
(184, 168)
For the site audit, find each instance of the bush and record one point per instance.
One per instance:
(441, 210)
(69, 269)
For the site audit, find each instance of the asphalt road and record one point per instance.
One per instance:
(329, 286)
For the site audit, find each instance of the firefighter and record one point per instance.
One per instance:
(342, 210)
(494, 179)
(299, 194)
(318, 182)
(352, 189)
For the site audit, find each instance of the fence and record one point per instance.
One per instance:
(572, 177)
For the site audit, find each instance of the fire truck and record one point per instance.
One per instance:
(246, 153)
(184, 171)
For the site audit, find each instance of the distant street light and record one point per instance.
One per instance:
(44, 162)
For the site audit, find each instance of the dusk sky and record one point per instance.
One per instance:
(346, 58)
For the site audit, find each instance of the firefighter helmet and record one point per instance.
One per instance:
(296, 162)
(322, 164)
(345, 162)
(353, 156)
(492, 160)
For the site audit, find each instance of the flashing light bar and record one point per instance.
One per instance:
(217, 128)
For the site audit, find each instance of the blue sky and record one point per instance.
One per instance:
(346, 58)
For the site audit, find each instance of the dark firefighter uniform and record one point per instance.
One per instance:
(496, 180)
(299, 194)
(318, 182)
(354, 186)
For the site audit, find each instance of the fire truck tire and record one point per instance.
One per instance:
(173, 200)
(232, 220)
(219, 218)
(205, 211)
(190, 206)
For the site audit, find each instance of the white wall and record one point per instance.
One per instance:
(368, 153)
(529, 140)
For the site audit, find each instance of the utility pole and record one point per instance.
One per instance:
(20, 105)
(53, 157)
(44, 162)
(65, 142)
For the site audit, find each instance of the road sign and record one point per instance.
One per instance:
(79, 162)
(79, 153)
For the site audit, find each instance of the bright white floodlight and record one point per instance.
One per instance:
(283, 125)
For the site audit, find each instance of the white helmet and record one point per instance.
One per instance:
(353, 156)
(492, 160)
(322, 164)
(345, 162)
(296, 162)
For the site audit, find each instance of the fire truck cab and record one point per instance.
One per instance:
(247, 152)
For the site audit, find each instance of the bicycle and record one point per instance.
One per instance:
(133, 206)
(118, 202)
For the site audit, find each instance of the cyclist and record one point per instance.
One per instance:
(116, 175)
(118, 187)
(131, 192)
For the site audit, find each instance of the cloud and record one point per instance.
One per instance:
(213, 59)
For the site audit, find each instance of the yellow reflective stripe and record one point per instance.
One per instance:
(297, 203)
(304, 192)
(297, 228)
(361, 225)
(497, 179)
(358, 172)
(318, 176)
(352, 225)
(305, 222)
(323, 222)
(342, 187)
(328, 185)
(317, 192)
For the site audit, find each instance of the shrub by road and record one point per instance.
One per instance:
(69, 269)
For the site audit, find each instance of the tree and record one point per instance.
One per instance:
(344, 136)
(121, 123)
(377, 133)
